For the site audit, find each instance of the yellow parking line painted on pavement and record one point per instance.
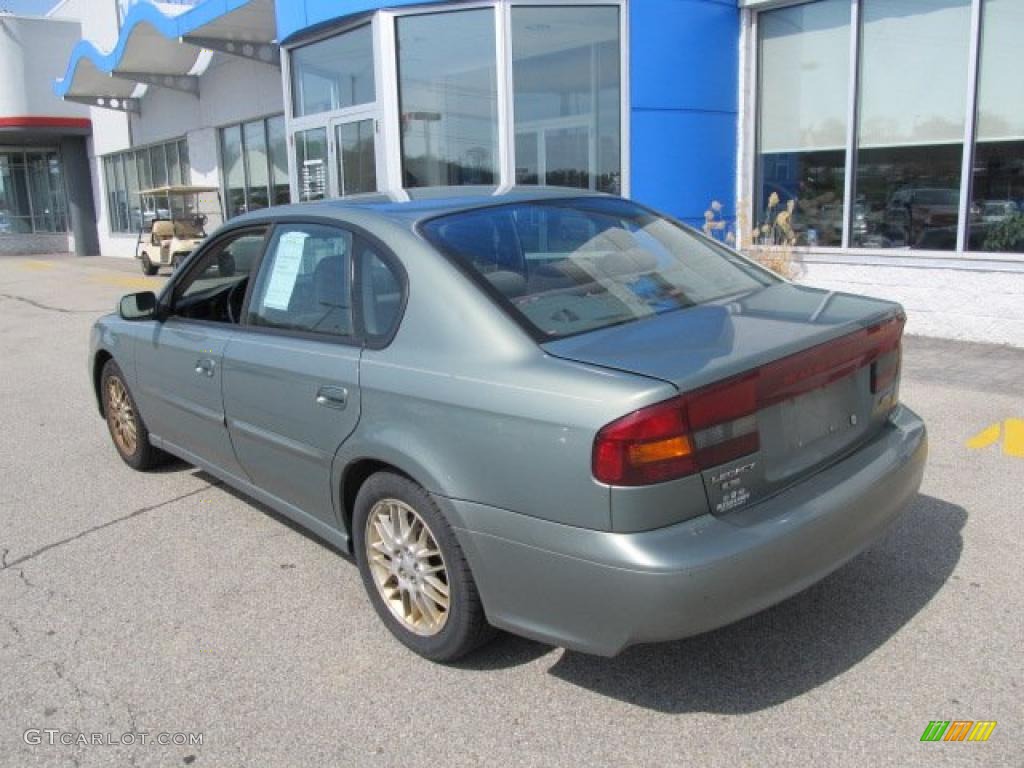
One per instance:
(985, 438)
(35, 265)
(138, 283)
(1013, 441)
(1012, 433)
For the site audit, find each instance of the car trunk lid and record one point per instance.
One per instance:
(810, 358)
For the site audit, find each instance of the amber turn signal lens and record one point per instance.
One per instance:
(661, 450)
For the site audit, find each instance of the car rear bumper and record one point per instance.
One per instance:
(600, 592)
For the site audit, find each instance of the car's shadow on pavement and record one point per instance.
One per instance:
(796, 646)
(766, 659)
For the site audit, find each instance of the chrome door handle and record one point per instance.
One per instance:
(205, 366)
(332, 397)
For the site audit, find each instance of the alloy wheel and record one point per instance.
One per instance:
(407, 566)
(121, 417)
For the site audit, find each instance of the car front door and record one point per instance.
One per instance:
(291, 373)
(179, 362)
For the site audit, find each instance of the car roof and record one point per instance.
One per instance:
(409, 206)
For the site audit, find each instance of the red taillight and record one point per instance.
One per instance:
(718, 423)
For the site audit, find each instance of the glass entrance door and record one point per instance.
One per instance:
(355, 156)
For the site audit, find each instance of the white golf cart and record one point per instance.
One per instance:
(174, 220)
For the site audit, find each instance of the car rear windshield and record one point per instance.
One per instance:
(565, 267)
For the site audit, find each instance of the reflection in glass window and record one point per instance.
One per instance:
(448, 96)
(234, 171)
(997, 210)
(357, 158)
(127, 173)
(32, 197)
(280, 192)
(257, 174)
(311, 163)
(254, 159)
(804, 64)
(333, 73)
(567, 96)
(913, 90)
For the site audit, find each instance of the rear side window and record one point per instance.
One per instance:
(304, 283)
(569, 266)
(381, 294)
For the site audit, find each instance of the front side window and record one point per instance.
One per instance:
(214, 288)
(566, 267)
(333, 73)
(448, 93)
(567, 96)
(305, 281)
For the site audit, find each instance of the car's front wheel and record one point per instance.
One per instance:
(128, 431)
(414, 570)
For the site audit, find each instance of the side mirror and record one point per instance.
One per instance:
(138, 306)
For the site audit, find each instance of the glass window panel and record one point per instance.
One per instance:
(145, 173)
(121, 194)
(913, 90)
(357, 158)
(233, 169)
(567, 95)
(38, 184)
(303, 283)
(311, 163)
(333, 73)
(131, 173)
(280, 192)
(173, 164)
(448, 98)
(15, 210)
(158, 162)
(804, 65)
(186, 168)
(258, 175)
(997, 206)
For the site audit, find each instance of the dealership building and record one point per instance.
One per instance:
(880, 141)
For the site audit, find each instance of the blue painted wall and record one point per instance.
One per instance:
(684, 83)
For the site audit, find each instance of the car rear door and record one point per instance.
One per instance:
(179, 361)
(291, 373)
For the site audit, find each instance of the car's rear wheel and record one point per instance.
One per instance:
(414, 570)
(127, 430)
(148, 267)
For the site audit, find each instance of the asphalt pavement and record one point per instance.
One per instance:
(163, 606)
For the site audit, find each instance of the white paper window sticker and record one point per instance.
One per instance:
(287, 260)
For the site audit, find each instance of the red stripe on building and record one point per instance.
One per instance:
(46, 122)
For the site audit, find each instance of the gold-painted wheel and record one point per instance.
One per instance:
(407, 567)
(121, 418)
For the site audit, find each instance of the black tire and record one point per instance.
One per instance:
(466, 627)
(144, 455)
(148, 267)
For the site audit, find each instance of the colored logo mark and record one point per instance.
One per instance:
(1011, 432)
(958, 730)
